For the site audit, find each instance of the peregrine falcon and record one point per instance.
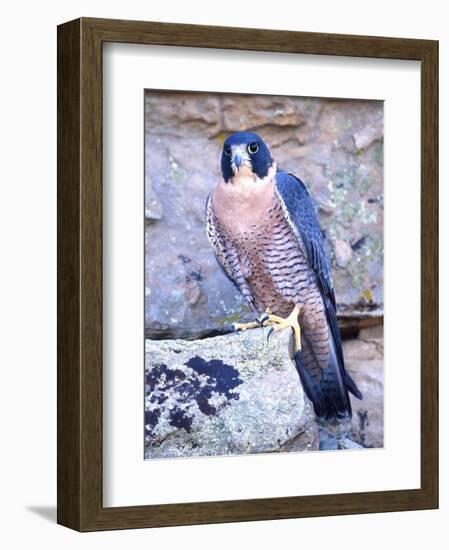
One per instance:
(262, 225)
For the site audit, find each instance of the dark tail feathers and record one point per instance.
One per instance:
(329, 395)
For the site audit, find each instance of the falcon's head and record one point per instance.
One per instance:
(245, 153)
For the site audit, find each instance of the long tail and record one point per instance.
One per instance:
(328, 388)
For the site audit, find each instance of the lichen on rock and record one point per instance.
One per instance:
(233, 394)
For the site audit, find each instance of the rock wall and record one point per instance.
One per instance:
(334, 146)
(209, 394)
(364, 360)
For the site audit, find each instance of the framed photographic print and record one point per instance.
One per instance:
(247, 274)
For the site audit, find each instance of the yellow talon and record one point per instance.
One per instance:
(245, 326)
(254, 324)
(278, 323)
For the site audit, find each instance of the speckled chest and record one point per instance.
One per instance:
(270, 256)
(264, 243)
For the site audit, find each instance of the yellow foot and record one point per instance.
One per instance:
(278, 323)
(259, 322)
(246, 326)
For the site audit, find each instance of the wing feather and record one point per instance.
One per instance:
(300, 213)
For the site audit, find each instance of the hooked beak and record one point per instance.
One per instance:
(237, 159)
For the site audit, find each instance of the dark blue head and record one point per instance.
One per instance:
(245, 151)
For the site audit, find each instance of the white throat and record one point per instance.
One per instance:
(246, 184)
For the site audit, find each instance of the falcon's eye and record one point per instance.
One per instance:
(228, 151)
(253, 147)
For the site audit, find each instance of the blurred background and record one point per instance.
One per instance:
(336, 147)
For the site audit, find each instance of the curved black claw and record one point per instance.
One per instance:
(262, 319)
(234, 328)
(270, 332)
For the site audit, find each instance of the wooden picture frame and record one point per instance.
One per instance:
(80, 504)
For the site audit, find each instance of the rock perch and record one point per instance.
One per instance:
(232, 394)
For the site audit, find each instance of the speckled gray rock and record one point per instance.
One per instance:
(233, 394)
(334, 146)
